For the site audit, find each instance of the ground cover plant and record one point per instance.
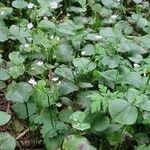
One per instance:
(76, 73)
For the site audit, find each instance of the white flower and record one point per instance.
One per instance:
(32, 81)
(110, 21)
(54, 5)
(30, 5)
(40, 63)
(114, 16)
(136, 65)
(68, 15)
(144, 72)
(58, 104)
(52, 37)
(55, 79)
(83, 53)
(98, 37)
(26, 45)
(30, 25)
(30, 39)
(57, 38)
(2, 13)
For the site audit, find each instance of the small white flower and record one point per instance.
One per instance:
(30, 25)
(54, 5)
(98, 37)
(26, 45)
(30, 39)
(30, 5)
(58, 104)
(114, 16)
(144, 72)
(83, 53)
(40, 63)
(32, 81)
(68, 15)
(52, 37)
(55, 79)
(136, 65)
(2, 13)
(57, 38)
(110, 21)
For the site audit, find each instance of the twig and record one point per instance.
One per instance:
(22, 134)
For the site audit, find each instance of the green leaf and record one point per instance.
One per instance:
(89, 50)
(108, 3)
(111, 62)
(4, 74)
(64, 53)
(142, 22)
(4, 118)
(101, 123)
(76, 142)
(45, 24)
(67, 88)
(67, 28)
(123, 112)
(16, 58)
(21, 110)
(137, 1)
(84, 64)
(4, 11)
(7, 141)
(20, 4)
(4, 32)
(19, 92)
(132, 78)
(65, 72)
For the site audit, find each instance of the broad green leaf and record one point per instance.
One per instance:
(100, 124)
(84, 65)
(67, 28)
(19, 92)
(89, 50)
(4, 118)
(45, 24)
(132, 78)
(138, 1)
(65, 72)
(64, 53)
(142, 22)
(16, 58)
(7, 141)
(76, 142)
(108, 3)
(123, 112)
(111, 62)
(67, 88)
(20, 4)
(16, 70)
(4, 32)
(21, 110)
(4, 11)
(4, 74)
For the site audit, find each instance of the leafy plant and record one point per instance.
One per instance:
(76, 72)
